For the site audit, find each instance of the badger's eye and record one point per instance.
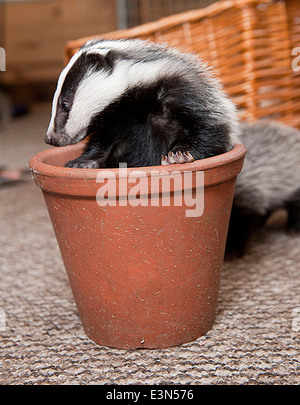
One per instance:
(65, 106)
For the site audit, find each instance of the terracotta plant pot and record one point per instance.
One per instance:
(144, 271)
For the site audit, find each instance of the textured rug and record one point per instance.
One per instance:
(254, 340)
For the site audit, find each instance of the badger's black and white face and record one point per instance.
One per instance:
(77, 98)
(96, 76)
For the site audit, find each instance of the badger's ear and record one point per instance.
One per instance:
(101, 62)
(110, 59)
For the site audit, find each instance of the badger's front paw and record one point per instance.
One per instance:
(82, 164)
(178, 157)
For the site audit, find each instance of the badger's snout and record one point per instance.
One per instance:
(48, 139)
(54, 139)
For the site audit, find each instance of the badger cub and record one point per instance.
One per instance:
(269, 180)
(140, 103)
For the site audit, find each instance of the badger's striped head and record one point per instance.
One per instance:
(77, 96)
(96, 76)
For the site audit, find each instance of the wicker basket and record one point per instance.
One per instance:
(248, 42)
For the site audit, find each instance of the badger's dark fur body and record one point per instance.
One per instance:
(269, 180)
(139, 101)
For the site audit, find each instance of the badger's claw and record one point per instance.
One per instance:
(82, 164)
(177, 157)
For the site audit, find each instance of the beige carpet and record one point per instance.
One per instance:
(255, 338)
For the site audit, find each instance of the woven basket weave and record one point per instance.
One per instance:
(248, 42)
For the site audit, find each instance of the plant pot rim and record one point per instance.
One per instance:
(39, 167)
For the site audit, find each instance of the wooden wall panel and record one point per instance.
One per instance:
(142, 11)
(37, 31)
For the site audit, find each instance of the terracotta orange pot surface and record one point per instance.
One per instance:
(143, 247)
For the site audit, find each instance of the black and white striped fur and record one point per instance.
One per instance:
(140, 103)
(269, 180)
